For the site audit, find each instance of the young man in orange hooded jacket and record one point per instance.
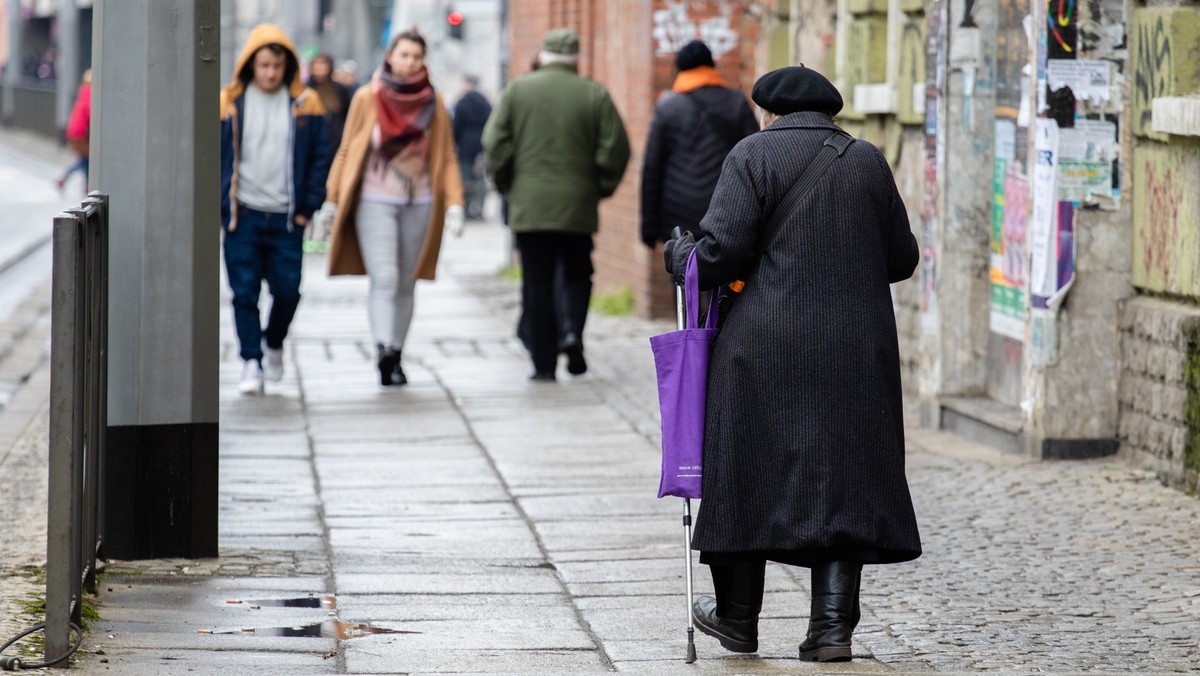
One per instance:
(275, 157)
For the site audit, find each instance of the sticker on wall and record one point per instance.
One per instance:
(1089, 79)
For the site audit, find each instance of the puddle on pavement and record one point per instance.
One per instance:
(331, 628)
(342, 631)
(325, 602)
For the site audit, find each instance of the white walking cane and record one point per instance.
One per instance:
(680, 323)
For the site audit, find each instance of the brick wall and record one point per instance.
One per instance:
(1160, 389)
(619, 44)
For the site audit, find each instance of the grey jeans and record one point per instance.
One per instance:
(390, 237)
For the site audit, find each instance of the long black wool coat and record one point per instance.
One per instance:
(804, 433)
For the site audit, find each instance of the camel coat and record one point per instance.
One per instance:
(345, 185)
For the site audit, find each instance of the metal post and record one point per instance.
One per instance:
(101, 350)
(62, 526)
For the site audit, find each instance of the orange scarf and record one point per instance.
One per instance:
(695, 78)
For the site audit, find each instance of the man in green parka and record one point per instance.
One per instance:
(557, 144)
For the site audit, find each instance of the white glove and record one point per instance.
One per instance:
(322, 222)
(455, 220)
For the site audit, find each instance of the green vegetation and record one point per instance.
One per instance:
(616, 304)
(1191, 454)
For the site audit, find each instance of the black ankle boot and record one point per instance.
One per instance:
(834, 612)
(398, 377)
(389, 363)
(740, 591)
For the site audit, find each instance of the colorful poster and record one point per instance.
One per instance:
(1009, 217)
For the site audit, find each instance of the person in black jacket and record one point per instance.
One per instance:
(694, 128)
(804, 418)
(471, 113)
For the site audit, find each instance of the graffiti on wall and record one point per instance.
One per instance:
(1063, 32)
(679, 24)
(1151, 68)
(1165, 205)
(1160, 228)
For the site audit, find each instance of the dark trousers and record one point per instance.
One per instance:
(263, 247)
(542, 254)
(474, 187)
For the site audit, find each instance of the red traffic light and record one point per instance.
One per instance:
(455, 18)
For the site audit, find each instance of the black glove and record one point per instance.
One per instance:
(675, 254)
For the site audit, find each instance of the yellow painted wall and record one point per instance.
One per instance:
(1166, 216)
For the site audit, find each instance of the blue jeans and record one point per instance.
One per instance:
(263, 247)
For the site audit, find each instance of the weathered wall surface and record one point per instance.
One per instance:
(1166, 216)
(1160, 388)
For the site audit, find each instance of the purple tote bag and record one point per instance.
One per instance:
(681, 364)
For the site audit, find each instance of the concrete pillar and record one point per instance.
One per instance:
(13, 65)
(965, 212)
(68, 61)
(156, 151)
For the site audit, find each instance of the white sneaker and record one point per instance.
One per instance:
(272, 363)
(252, 378)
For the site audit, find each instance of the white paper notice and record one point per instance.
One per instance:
(1044, 220)
(1085, 159)
(1088, 78)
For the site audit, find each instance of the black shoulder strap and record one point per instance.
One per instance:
(832, 149)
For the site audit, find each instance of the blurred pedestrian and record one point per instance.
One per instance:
(556, 141)
(78, 132)
(275, 157)
(395, 186)
(335, 96)
(804, 437)
(470, 115)
(345, 72)
(693, 129)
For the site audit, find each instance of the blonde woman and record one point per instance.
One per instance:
(393, 188)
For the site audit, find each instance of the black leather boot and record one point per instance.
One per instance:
(398, 377)
(834, 612)
(388, 361)
(736, 625)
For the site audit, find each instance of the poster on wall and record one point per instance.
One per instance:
(1044, 217)
(1052, 223)
(1087, 155)
(1008, 239)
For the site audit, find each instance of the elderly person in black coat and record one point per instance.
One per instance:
(804, 435)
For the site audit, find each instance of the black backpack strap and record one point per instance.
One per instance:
(832, 149)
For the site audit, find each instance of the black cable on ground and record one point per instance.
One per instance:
(17, 664)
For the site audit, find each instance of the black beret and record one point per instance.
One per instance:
(693, 55)
(795, 89)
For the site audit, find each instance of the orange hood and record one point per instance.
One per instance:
(263, 35)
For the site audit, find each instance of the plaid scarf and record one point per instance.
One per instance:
(404, 107)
